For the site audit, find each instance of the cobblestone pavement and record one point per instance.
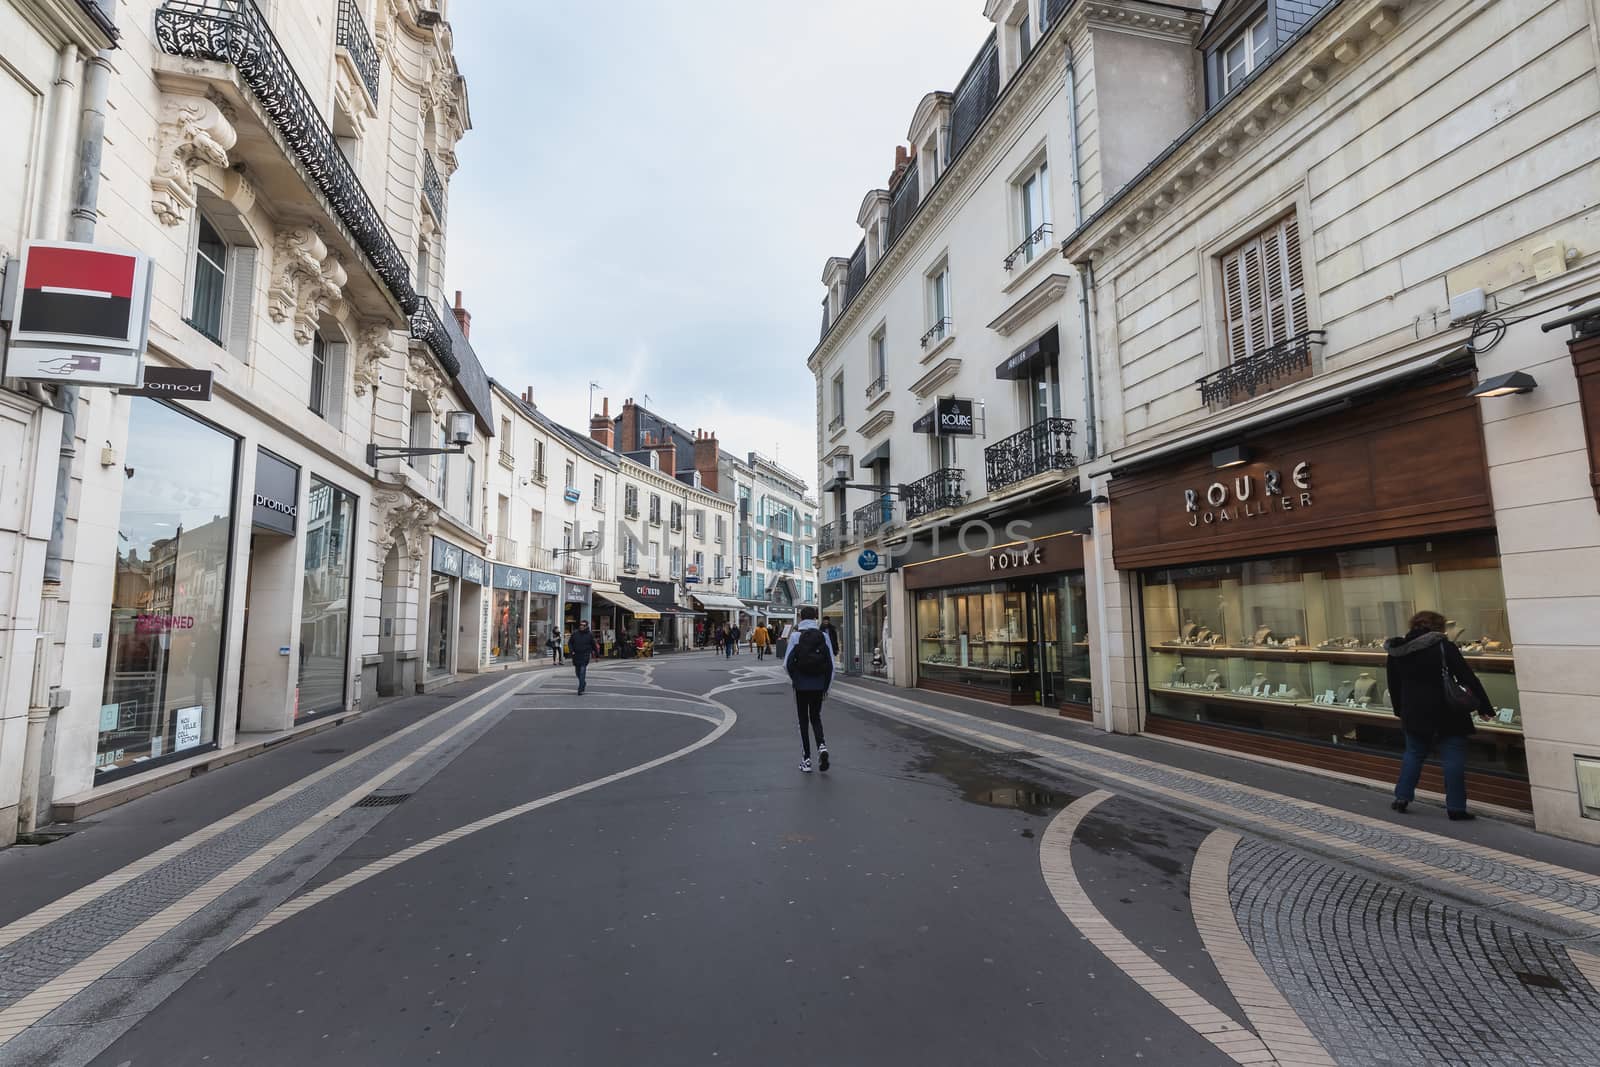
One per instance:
(1384, 975)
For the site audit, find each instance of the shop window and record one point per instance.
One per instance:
(1264, 300)
(325, 613)
(440, 608)
(1294, 645)
(221, 278)
(168, 628)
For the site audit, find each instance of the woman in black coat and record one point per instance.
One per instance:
(1416, 690)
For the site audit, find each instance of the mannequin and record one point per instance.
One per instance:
(1258, 685)
(1366, 688)
(1213, 680)
(1346, 690)
(1179, 674)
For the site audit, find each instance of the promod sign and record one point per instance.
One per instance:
(82, 314)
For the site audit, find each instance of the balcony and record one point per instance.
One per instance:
(235, 32)
(538, 476)
(507, 460)
(828, 537)
(1044, 446)
(355, 40)
(877, 387)
(936, 333)
(1284, 362)
(432, 187)
(507, 552)
(944, 488)
(870, 518)
(541, 559)
(836, 424)
(781, 565)
(1024, 251)
(426, 327)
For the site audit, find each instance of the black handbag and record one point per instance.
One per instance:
(1457, 697)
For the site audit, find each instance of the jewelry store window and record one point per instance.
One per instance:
(978, 636)
(1294, 645)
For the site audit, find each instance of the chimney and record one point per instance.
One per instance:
(527, 397)
(668, 451)
(902, 160)
(600, 425)
(628, 431)
(705, 458)
(464, 317)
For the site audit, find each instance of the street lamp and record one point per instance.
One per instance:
(460, 426)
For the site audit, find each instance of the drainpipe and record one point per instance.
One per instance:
(86, 193)
(1072, 121)
(1085, 271)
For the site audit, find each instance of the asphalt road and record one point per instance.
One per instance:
(511, 874)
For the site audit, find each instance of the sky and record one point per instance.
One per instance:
(651, 188)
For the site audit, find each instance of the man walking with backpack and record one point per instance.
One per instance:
(583, 648)
(809, 661)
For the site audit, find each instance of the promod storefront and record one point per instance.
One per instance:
(1272, 570)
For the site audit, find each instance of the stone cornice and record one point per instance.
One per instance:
(63, 21)
(1150, 19)
(1042, 70)
(1032, 302)
(943, 372)
(1330, 48)
(876, 425)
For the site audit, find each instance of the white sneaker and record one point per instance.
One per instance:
(805, 765)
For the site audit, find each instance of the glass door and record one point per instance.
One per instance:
(1048, 613)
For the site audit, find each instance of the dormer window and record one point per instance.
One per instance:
(1244, 53)
(929, 137)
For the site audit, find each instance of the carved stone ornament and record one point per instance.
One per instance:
(422, 376)
(372, 348)
(400, 514)
(306, 280)
(193, 131)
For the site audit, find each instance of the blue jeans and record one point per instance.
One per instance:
(581, 666)
(1452, 759)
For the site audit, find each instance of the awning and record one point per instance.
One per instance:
(876, 456)
(924, 424)
(718, 601)
(1030, 357)
(628, 604)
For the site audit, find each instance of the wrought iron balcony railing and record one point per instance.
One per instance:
(782, 565)
(936, 333)
(877, 385)
(506, 551)
(1247, 376)
(354, 39)
(1044, 446)
(427, 328)
(1024, 251)
(828, 538)
(836, 423)
(944, 488)
(432, 187)
(235, 32)
(870, 518)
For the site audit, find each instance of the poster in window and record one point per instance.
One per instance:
(188, 732)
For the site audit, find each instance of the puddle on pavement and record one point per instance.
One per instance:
(993, 779)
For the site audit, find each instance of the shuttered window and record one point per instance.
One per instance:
(1263, 291)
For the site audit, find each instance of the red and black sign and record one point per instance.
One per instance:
(80, 292)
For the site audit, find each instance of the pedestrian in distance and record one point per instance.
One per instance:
(733, 639)
(583, 650)
(1435, 694)
(809, 662)
(758, 637)
(832, 635)
(555, 645)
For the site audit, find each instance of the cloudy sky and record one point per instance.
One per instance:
(651, 188)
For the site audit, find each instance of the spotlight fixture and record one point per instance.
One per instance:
(1505, 385)
(1232, 456)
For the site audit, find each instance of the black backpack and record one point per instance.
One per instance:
(810, 656)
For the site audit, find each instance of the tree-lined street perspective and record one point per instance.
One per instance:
(459, 604)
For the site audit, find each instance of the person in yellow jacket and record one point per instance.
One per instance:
(760, 638)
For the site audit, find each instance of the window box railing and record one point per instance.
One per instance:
(782, 565)
(507, 460)
(676, 525)
(1246, 377)
(868, 519)
(541, 559)
(203, 332)
(235, 32)
(878, 385)
(836, 423)
(936, 333)
(1044, 446)
(1024, 251)
(354, 39)
(506, 551)
(630, 511)
(828, 539)
(432, 187)
(944, 488)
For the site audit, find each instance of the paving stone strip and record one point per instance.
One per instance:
(41, 955)
(1556, 893)
(1384, 975)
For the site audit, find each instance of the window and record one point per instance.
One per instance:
(1244, 53)
(943, 448)
(630, 554)
(1033, 211)
(1024, 36)
(210, 281)
(318, 401)
(700, 564)
(472, 479)
(700, 525)
(722, 568)
(878, 361)
(599, 493)
(677, 515)
(630, 501)
(722, 530)
(538, 462)
(938, 305)
(536, 529)
(838, 401)
(655, 508)
(654, 559)
(507, 453)
(761, 587)
(572, 475)
(421, 432)
(1044, 393)
(424, 266)
(1263, 291)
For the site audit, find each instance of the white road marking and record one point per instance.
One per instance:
(294, 907)
(36, 1005)
(1203, 1017)
(1269, 1012)
(42, 917)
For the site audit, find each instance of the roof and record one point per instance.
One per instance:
(470, 378)
(581, 442)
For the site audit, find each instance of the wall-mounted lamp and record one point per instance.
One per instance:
(457, 423)
(1505, 385)
(1232, 456)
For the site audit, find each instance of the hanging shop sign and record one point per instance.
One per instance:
(277, 494)
(953, 416)
(658, 595)
(172, 383)
(1409, 464)
(81, 314)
